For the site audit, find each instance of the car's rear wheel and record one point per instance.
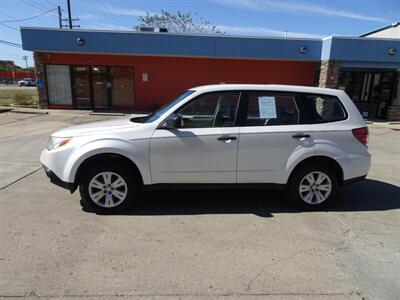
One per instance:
(108, 188)
(313, 186)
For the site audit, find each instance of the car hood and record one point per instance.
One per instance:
(95, 127)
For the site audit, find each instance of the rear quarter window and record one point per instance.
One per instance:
(324, 109)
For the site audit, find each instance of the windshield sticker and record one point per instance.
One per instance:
(267, 108)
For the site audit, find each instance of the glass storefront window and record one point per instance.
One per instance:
(123, 86)
(59, 84)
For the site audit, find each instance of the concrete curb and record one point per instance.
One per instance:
(105, 114)
(29, 112)
(3, 110)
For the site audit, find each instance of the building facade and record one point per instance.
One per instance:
(140, 71)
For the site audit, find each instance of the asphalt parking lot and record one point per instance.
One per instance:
(197, 244)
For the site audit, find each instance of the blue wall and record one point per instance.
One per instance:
(360, 52)
(48, 40)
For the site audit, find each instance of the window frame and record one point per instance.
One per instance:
(309, 119)
(243, 107)
(239, 92)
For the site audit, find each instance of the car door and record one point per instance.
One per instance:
(203, 149)
(270, 132)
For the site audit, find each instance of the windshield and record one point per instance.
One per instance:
(158, 113)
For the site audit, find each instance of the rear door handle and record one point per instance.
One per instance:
(300, 136)
(226, 138)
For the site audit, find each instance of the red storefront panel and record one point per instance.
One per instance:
(167, 77)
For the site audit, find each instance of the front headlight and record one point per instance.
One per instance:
(55, 142)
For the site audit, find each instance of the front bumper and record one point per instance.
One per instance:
(57, 181)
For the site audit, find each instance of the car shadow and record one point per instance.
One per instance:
(367, 195)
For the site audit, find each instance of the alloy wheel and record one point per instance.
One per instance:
(108, 189)
(315, 187)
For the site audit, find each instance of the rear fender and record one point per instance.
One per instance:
(326, 150)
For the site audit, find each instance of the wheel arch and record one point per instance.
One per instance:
(109, 156)
(320, 159)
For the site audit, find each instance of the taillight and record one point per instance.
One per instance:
(361, 134)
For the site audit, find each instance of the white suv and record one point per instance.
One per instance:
(305, 140)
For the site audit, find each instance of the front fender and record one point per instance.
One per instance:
(136, 151)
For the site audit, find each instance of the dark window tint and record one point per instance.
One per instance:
(322, 109)
(210, 110)
(266, 109)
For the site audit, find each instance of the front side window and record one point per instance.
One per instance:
(323, 109)
(210, 110)
(158, 113)
(267, 109)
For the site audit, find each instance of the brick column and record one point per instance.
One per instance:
(40, 73)
(393, 113)
(329, 74)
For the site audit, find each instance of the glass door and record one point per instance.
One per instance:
(100, 87)
(82, 86)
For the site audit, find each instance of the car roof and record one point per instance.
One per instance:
(268, 87)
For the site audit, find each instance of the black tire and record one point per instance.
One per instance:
(128, 175)
(293, 192)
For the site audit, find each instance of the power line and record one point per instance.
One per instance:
(10, 44)
(125, 19)
(40, 6)
(48, 1)
(5, 25)
(27, 19)
(118, 19)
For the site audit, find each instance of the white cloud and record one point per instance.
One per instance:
(123, 11)
(296, 7)
(87, 16)
(257, 30)
(108, 26)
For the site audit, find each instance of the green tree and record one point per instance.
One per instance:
(179, 22)
(8, 65)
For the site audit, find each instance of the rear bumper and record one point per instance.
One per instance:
(57, 181)
(355, 166)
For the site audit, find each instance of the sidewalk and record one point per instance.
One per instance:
(69, 112)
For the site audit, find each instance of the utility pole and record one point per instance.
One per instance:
(25, 58)
(69, 14)
(69, 20)
(59, 16)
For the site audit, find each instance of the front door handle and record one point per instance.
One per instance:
(300, 136)
(226, 138)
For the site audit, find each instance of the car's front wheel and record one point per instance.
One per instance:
(313, 186)
(108, 188)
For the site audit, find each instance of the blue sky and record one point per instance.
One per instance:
(303, 18)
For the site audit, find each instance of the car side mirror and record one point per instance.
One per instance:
(172, 122)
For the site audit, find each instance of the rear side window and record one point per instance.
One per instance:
(267, 109)
(324, 109)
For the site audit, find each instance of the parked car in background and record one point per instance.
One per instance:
(27, 82)
(304, 140)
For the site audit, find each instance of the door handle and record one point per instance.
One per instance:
(226, 138)
(300, 136)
